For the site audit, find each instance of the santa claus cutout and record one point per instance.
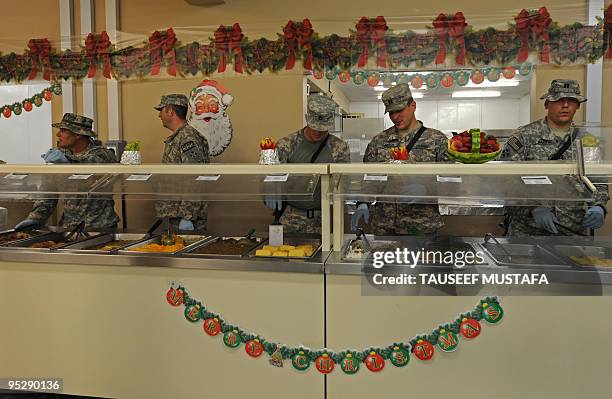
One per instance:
(207, 104)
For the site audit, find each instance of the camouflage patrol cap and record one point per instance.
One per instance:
(172, 99)
(397, 97)
(320, 112)
(563, 88)
(77, 124)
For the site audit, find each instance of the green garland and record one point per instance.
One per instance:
(445, 338)
(371, 43)
(447, 79)
(27, 104)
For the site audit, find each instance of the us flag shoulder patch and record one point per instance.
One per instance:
(515, 144)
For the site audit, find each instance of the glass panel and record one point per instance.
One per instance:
(293, 187)
(482, 190)
(39, 185)
(596, 151)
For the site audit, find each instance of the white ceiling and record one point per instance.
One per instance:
(365, 93)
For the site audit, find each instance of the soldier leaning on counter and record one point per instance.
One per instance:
(551, 138)
(184, 146)
(76, 144)
(423, 145)
(311, 144)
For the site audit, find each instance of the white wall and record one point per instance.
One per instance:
(24, 137)
(459, 115)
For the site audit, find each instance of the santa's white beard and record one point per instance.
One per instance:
(218, 133)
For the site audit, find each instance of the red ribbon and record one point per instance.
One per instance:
(160, 46)
(305, 33)
(40, 49)
(378, 39)
(98, 47)
(363, 38)
(441, 28)
(536, 25)
(221, 43)
(608, 27)
(457, 32)
(289, 35)
(235, 40)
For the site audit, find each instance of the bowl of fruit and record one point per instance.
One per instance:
(473, 147)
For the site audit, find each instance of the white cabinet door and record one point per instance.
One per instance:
(468, 115)
(427, 112)
(447, 115)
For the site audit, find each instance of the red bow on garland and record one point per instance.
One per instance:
(453, 26)
(536, 24)
(374, 31)
(40, 50)
(228, 39)
(97, 48)
(161, 44)
(608, 27)
(289, 36)
(305, 33)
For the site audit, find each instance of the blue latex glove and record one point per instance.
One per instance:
(545, 219)
(55, 156)
(273, 203)
(24, 224)
(593, 218)
(186, 225)
(362, 211)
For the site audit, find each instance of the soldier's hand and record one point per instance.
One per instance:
(186, 225)
(362, 211)
(594, 217)
(544, 218)
(55, 156)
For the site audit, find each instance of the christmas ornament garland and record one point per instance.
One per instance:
(450, 43)
(29, 103)
(445, 338)
(446, 79)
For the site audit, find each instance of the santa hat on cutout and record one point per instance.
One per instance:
(207, 85)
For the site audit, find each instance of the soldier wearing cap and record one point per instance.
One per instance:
(551, 138)
(311, 144)
(423, 145)
(184, 145)
(76, 143)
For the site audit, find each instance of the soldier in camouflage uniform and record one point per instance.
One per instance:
(77, 144)
(184, 145)
(400, 218)
(540, 141)
(302, 147)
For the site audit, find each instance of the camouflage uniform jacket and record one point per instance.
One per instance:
(185, 145)
(98, 214)
(296, 220)
(536, 142)
(400, 218)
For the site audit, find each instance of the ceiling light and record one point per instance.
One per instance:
(417, 95)
(380, 88)
(476, 93)
(499, 83)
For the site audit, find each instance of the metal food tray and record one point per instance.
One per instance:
(85, 246)
(290, 241)
(375, 245)
(521, 255)
(584, 250)
(190, 241)
(188, 251)
(32, 233)
(60, 237)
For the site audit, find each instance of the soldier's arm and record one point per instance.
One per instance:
(193, 150)
(42, 210)
(514, 149)
(283, 148)
(344, 153)
(441, 150)
(371, 153)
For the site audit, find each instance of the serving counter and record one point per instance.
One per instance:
(102, 323)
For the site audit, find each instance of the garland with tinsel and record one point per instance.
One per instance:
(446, 79)
(449, 43)
(29, 103)
(423, 346)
